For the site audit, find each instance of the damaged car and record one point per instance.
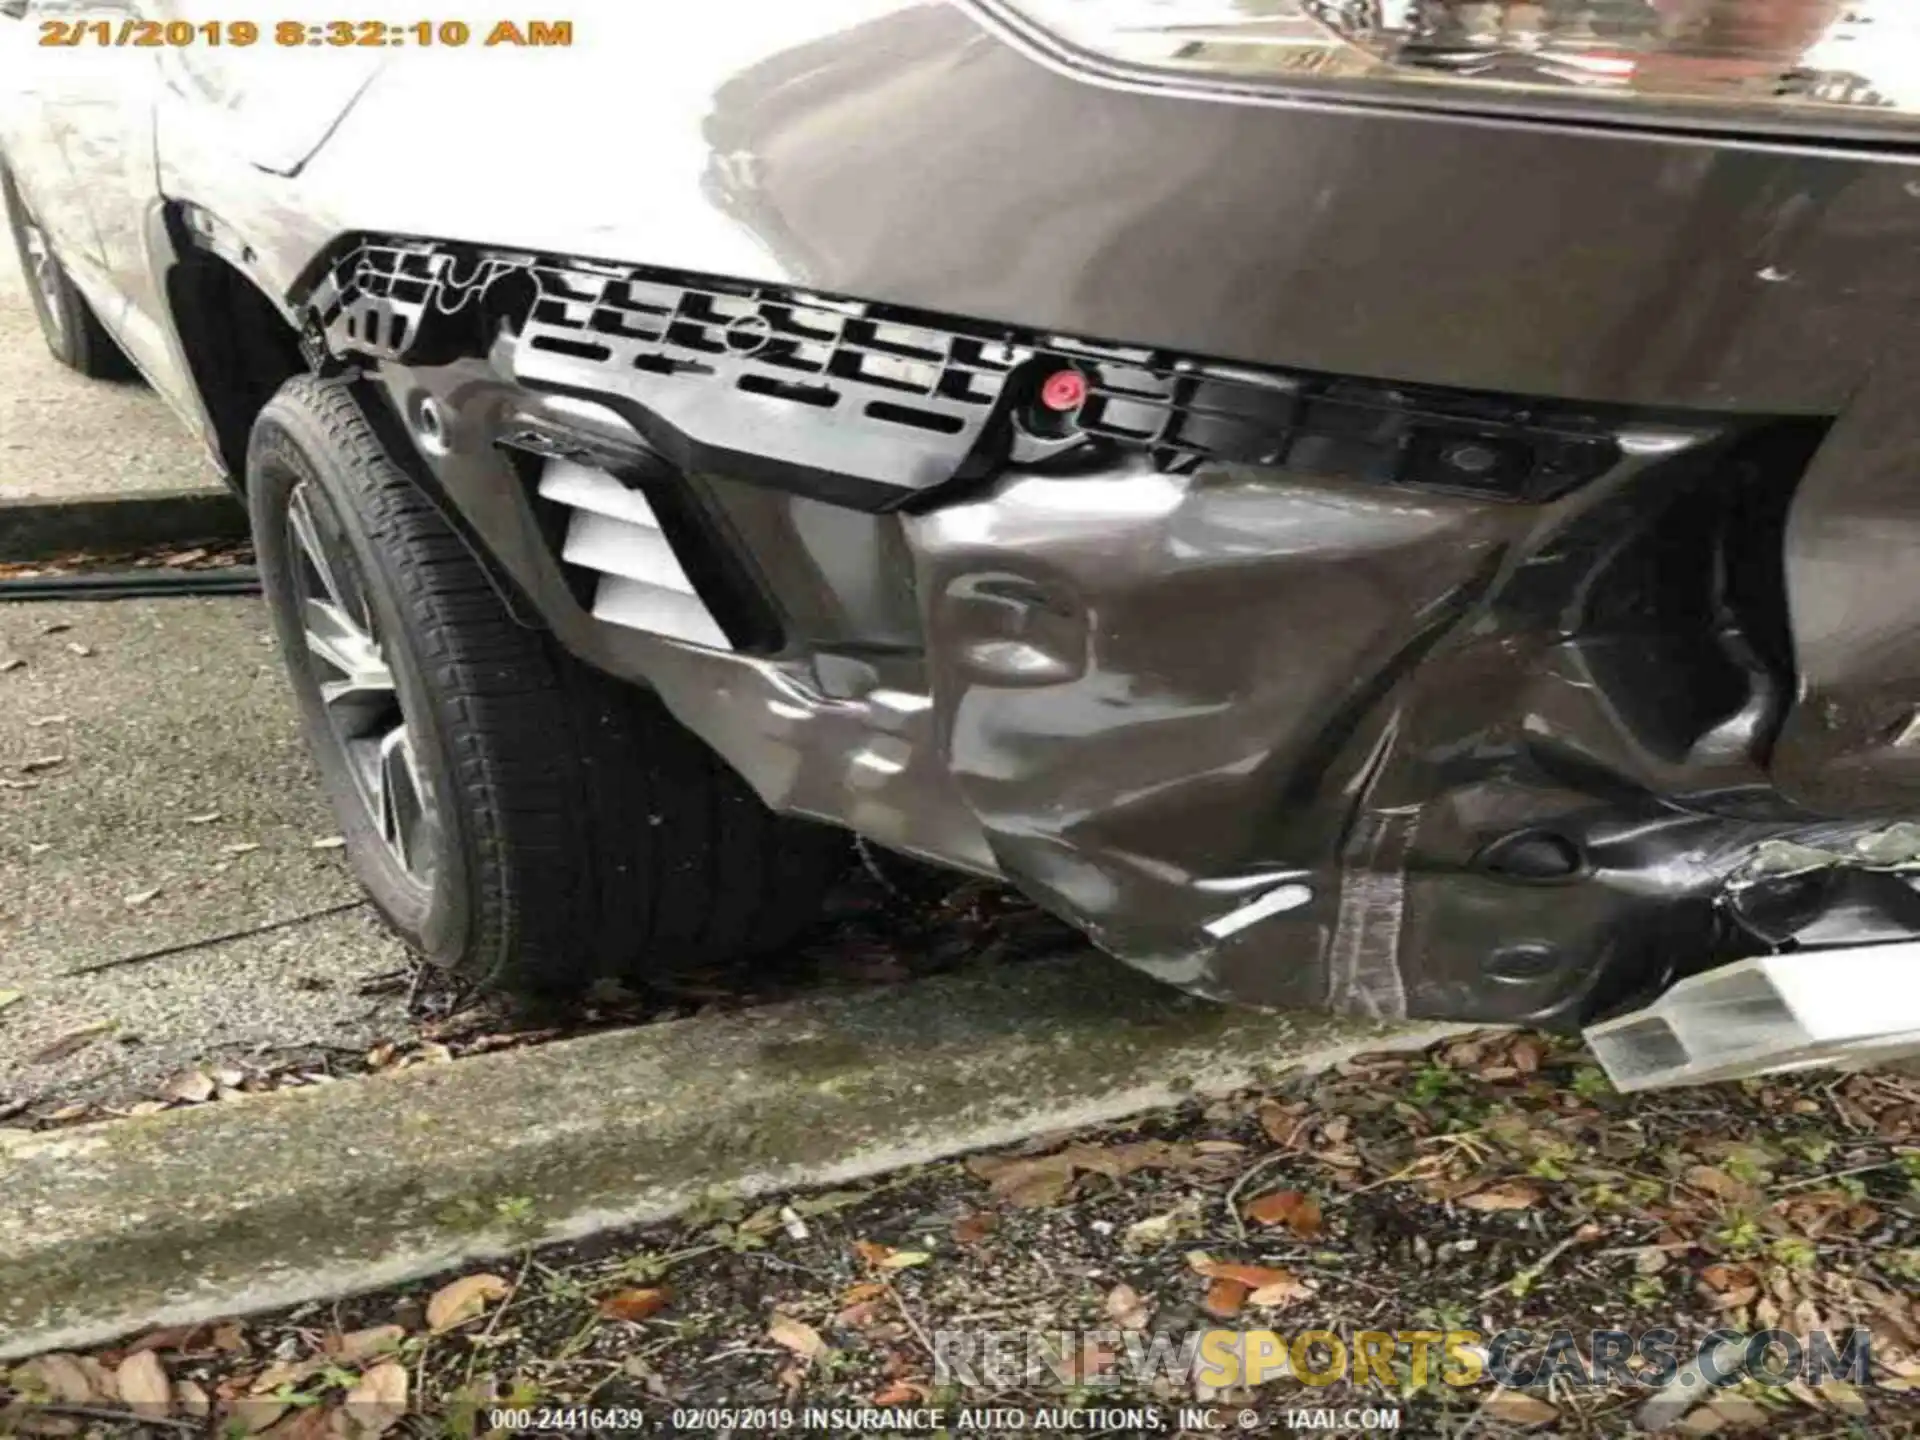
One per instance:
(1406, 507)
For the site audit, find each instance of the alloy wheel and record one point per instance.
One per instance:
(348, 663)
(44, 272)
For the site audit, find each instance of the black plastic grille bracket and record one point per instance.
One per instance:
(875, 407)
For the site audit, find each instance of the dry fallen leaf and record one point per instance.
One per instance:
(1157, 1230)
(1512, 1407)
(463, 1300)
(1219, 1147)
(1280, 1293)
(140, 897)
(1029, 1184)
(379, 1400)
(329, 842)
(253, 1415)
(795, 1335)
(287, 1373)
(1506, 1195)
(1717, 1183)
(635, 1304)
(1127, 1308)
(314, 1422)
(357, 1345)
(1254, 1277)
(1738, 1411)
(100, 1378)
(861, 1293)
(192, 1399)
(1118, 1161)
(71, 1043)
(1225, 1298)
(144, 1384)
(1299, 1213)
(1841, 1396)
(10, 997)
(167, 1337)
(973, 1227)
(1722, 1278)
(41, 762)
(900, 1392)
(1282, 1123)
(857, 1316)
(61, 1376)
(192, 1086)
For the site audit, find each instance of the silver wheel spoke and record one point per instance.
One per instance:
(349, 667)
(402, 796)
(346, 648)
(45, 271)
(318, 554)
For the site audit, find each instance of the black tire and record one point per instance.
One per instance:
(581, 830)
(72, 331)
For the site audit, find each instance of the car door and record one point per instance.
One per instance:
(102, 106)
(32, 78)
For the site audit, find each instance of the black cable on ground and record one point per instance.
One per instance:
(133, 584)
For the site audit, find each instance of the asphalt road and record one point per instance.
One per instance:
(62, 436)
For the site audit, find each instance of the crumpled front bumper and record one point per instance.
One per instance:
(1251, 688)
(1271, 737)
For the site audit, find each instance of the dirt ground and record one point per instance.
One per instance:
(1495, 1182)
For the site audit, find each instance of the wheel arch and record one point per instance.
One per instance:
(239, 343)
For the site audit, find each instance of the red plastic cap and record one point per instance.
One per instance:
(1064, 390)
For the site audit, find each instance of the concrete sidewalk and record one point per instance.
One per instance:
(63, 437)
(272, 1199)
(111, 764)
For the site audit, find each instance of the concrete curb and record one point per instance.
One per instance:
(40, 529)
(267, 1201)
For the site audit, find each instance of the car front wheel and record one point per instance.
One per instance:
(513, 813)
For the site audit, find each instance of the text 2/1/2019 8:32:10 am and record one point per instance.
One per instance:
(334, 34)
